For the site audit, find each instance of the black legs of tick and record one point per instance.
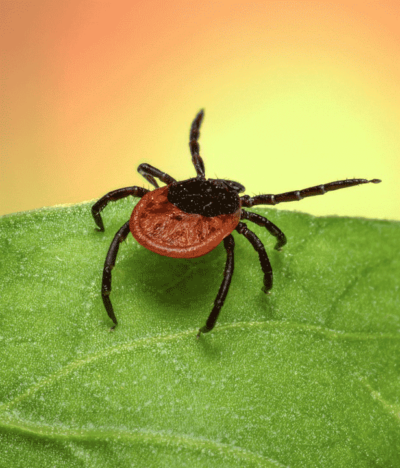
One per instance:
(113, 196)
(108, 266)
(148, 172)
(300, 194)
(261, 221)
(241, 228)
(229, 244)
(119, 237)
(194, 145)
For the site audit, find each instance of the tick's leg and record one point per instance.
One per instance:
(113, 196)
(261, 221)
(195, 147)
(108, 266)
(248, 201)
(229, 244)
(149, 172)
(241, 228)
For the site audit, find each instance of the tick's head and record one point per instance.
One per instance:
(231, 184)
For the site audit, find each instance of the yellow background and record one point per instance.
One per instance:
(295, 94)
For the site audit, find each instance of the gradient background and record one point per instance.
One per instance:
(295, 93)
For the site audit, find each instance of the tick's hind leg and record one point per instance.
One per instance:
(108, 266)
(229, 244)
(262, 254)
(261, 221)
(113, 196)
(149, 172)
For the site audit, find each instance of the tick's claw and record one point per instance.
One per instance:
(202, 330)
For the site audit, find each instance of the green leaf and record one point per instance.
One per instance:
(305, 377)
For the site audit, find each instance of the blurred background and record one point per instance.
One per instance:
(295, 94)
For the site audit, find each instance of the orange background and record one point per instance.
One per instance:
(295, 94)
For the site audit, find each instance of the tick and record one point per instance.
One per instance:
(189, 218)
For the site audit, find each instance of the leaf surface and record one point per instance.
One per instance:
(306, 376)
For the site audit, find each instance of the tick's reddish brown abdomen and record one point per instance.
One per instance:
(163, 228)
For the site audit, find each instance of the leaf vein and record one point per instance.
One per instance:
(332, 334)
(160, 438)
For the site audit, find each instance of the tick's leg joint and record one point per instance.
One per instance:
(258, 246)
(149, 172)
(271, 227)
(114, 196)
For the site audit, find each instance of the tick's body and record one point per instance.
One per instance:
(188, 219)
(164, 228)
